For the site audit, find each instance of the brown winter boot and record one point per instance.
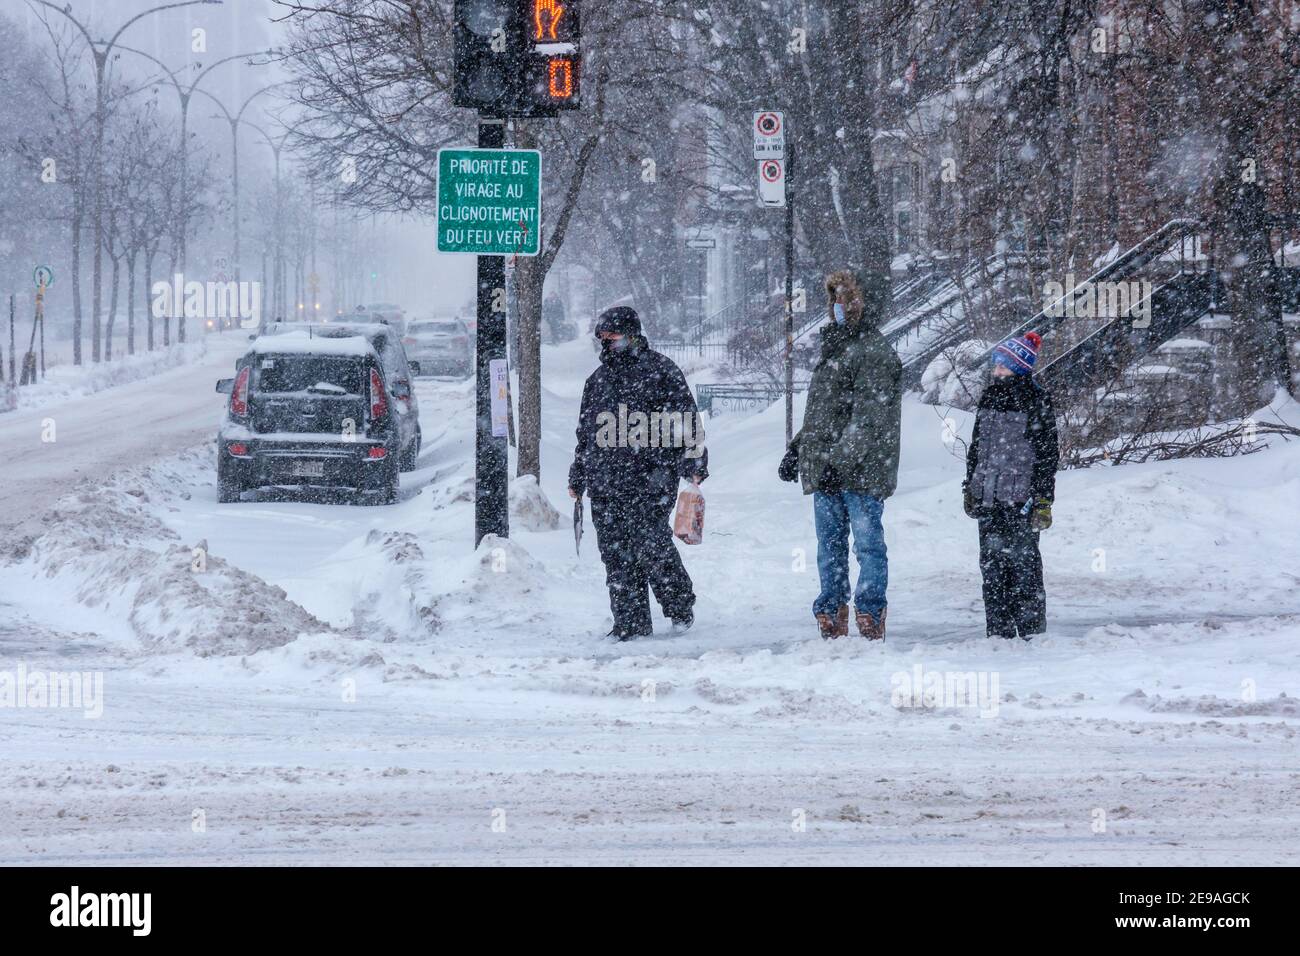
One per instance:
(833, 627)
(869, 627)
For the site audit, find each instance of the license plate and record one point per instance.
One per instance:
(309, 469)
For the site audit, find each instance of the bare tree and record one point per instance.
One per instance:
(374, 84)
(68, 141)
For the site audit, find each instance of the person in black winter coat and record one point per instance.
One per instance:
(1010, 486)
(638, 433)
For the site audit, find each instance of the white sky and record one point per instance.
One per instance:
(414, 275)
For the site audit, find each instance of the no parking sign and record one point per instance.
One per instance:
(769, 134)
(771, 182)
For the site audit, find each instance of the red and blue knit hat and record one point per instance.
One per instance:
(1019, 353)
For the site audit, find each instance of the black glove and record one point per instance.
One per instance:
(788, 470)
(829, 481)
(968, 502)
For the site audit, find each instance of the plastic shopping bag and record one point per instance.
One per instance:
(688, 523)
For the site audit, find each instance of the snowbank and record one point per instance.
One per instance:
(529, 507)
(106, 549)
(63, 382)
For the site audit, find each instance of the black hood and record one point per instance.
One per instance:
(621, 320)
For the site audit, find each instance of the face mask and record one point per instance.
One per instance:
(838, 309)
(616, 345)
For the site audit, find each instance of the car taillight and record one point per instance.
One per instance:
(377, 451)
(408, 341)
(237, 448)
(461, 340)
(378, 401)
(239, 394)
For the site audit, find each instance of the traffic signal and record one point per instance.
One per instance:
(486, 59)
(517, 57)
(552, 38)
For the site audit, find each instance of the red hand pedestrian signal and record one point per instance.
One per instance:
(546, 19)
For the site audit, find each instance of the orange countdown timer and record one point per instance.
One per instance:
(559, 78)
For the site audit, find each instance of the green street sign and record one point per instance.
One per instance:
(43, 275)
(490, 201)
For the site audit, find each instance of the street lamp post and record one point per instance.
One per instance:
(277, 264)
(185, 93)
(278, 285)
(101, 63)
(234, 119)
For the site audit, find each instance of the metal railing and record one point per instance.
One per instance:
(1148, 251)
(717, 398)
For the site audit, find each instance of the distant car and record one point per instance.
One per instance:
(319, 407)
(385, 313)
(439, 346)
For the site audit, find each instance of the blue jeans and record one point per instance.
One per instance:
(834, 515)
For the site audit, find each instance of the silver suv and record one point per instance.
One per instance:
(439, 346)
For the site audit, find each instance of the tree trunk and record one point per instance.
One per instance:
(178, 308)
(167, 319)
(112, 310)
(148, 296)
(1261, 360)
(76, 283)
(1258, 334)
(859, 195)
(130, 304)
(530, 274)
(529, 278)
(96, 294)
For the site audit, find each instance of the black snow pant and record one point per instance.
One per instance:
(636, 545)
(1014, 600)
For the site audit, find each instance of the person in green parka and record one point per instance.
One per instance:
(846, 457)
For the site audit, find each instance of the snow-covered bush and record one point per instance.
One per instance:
(956, 377)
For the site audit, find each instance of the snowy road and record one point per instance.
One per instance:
(97, 434)
(353, 684)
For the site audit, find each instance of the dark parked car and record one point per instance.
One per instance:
(319, 407)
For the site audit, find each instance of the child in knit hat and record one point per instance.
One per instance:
(1009, 488)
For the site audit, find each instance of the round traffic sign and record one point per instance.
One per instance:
(770, 169)
(43, 275)
(769, 124)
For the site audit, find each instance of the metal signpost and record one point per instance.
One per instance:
(773, 172)
(513, 58)
(490, 206)
(44, 278)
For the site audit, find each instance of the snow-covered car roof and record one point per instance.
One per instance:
(364, 327)
(336, 341)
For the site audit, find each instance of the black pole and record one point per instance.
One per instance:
(491, 460)
(789, 295)
(13, 380)
(42, 321)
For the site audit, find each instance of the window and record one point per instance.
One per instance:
(903, 232)
(901, 182)
(297, 373)
(443, 328)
